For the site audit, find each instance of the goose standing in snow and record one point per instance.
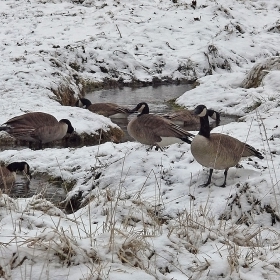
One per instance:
(216, 150)
(155, 130)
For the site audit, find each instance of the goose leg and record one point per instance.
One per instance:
(150, 148)
(209, 179)
(224, 184)
(158, 148)
(30, 145)
(40, 145)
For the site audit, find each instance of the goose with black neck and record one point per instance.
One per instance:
(217, 150)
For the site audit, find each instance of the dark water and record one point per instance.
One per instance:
(156, 97)
(38, 185)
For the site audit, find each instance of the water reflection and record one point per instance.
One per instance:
(156, 97)
(37, 185)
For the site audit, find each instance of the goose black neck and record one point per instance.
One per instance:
(85, 102)
(204, 126)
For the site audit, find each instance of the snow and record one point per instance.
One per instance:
(145, 217)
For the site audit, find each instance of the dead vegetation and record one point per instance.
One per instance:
(244, 205)
(65, 95)
(256, 75)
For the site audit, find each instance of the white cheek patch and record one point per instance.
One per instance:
(203, 113)
(81, 105)
(141, 108)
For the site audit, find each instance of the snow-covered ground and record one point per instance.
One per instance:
(145, 217)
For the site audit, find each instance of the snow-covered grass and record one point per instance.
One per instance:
(142, 214)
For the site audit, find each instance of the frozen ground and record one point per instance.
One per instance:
(145, 217)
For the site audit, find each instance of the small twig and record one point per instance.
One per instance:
(115, 51)
(170, 46)
(210, 66)
(119, 31)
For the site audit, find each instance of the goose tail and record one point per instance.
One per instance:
(188, 138)
(4, 128)
(251, 151)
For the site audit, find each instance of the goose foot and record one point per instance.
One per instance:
(208, 181)
(158, 148)
(204, 185)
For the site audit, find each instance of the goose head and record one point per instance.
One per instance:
(142, 108)
(83, 103)
(70, 127)
(20, 166)
(200, 111)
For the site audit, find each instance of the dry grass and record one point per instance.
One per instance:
(256, 75)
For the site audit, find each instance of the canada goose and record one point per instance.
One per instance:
(186, 117)
(37, 127)
(155, 130)
(8, 173)
(109, 110)
(216, 150)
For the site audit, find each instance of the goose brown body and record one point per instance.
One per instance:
(186, 117)
(109, 110)
(216, 150)
(220, 151)
(155, 130)
(37, 127)
(7, 178)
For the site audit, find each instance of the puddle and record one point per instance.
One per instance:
(38, 185)
(156, 97)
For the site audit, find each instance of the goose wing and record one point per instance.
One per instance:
(148, 129)
(107, 109)
(22, 132)
(47, 134)
(183, 115)
(165, 128)
(226, 150)
(34, 119)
